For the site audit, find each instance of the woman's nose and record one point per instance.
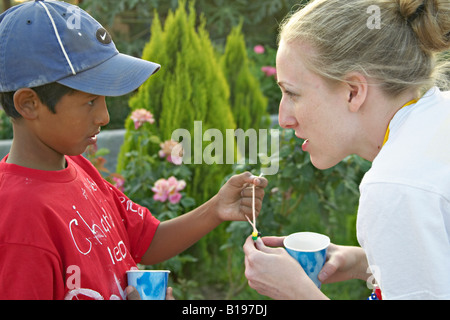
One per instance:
(286, 117)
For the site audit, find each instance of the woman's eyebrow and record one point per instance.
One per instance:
(281, 84)
(286, 86)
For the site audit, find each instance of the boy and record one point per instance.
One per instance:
(65, 233)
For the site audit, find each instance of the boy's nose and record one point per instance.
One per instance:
(102, 117)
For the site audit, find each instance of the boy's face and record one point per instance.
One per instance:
(75, 125)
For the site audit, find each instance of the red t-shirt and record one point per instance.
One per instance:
(67, 234)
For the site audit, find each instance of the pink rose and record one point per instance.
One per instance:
(160, 189)
(168, 189)
(141, 116)
(259, 49)
(172, 151)
(269, 71)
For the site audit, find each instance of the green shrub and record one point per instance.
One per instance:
(6, 131)
(268, 82)
(189, 87)
(247, 100)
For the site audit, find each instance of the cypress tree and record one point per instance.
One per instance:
(189, 87)
(247, 100)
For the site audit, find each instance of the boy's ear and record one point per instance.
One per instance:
(357, 90)
(26, 102)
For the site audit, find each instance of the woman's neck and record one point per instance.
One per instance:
(379, 111)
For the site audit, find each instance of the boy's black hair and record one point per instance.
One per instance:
(49, 94)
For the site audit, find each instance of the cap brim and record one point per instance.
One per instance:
(116, 76)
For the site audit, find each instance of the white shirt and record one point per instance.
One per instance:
(404, 212)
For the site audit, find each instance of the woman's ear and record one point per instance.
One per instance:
(357, 90)
(26, 102)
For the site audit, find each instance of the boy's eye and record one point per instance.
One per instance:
(92, 102)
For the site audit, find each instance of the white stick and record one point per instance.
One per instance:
(251, 223)
(253, 208)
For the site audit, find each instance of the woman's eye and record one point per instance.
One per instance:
(290, 94)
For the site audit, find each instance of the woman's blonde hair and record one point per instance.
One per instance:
(399, 51)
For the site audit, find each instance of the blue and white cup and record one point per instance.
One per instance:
(310, 250)
(151, 284)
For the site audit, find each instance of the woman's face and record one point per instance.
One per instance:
(315, 109)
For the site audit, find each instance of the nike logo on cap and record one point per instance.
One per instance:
(103, 36)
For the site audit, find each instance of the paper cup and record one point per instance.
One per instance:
(310, 250)
(151, 284)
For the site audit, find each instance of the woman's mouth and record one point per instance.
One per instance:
(305, 145)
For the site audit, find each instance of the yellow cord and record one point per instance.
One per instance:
(386, 137)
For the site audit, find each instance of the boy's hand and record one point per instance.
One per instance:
(132, 293)
(234, 199)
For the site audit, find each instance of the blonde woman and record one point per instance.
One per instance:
(357, 83)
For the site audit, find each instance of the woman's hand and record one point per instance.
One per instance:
(344, 263)
(274, 273)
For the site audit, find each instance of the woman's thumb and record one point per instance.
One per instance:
(327, 271)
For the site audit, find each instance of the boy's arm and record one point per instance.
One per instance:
(176, 235)
(231, 203)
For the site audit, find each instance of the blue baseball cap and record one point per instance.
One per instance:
(52, 41)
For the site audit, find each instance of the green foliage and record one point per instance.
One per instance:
(189, 87)
(142, 172)
(268, 83)
(6, 131)
(128, 20)
(247, 101)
